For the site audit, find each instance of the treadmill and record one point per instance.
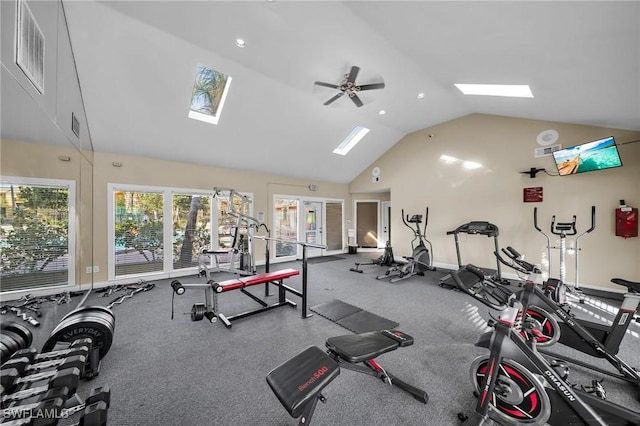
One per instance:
(469, 278)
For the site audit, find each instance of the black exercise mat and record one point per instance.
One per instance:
(322, 259)
(352, 317)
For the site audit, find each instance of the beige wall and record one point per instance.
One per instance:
(416, 177)
(36, 160)
(147, 171)
(413, 178)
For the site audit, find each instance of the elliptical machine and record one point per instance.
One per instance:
(420, 260)
(563, 230)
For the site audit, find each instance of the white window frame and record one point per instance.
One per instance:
(71, 200)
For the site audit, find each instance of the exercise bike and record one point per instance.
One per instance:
(385, 260)
(592, 338)
(420, 260)
(515, 384)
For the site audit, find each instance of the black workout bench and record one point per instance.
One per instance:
(299, 381)
(209, 309)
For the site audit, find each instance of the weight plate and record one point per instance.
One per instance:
(20, 330)
(98, 329)
(102, 317)
(197, 312)
(11, 341)
(5, 352)
(89, 308)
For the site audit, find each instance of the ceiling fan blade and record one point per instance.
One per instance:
(356, 100)
(353, 74)
(321, 83)
(372, 86)
(333, 99)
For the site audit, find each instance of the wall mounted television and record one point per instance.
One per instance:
(587, 157)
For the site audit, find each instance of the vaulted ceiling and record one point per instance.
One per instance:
(136, 62)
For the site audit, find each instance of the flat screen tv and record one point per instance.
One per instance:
(587, 157)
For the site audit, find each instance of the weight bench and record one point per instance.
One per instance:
(209, 309)
(299, 381)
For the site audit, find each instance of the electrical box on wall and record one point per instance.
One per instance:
(626, 221)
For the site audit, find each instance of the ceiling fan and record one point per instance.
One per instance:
(349, 87)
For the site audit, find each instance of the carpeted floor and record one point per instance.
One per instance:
(178, 372)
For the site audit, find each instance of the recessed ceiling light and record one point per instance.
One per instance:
(510, 90)
(420, 95)
(382, 112)
(351, 140)
(240, 42)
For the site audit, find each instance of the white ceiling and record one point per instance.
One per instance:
(136, 62)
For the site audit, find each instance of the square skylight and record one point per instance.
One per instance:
(351, 140)
(210, 90)
(510, 90)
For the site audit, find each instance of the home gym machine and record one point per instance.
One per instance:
(420, 260)
(564, 229)
(385, 260)
(515, 384)
(209, 309)
(473, 228)
(239, 258)
(589, 337)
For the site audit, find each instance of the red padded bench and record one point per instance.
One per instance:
(266, 277)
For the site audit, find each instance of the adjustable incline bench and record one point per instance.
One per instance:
(209, 309)
(299, 381)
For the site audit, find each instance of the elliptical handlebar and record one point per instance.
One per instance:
(593, 220)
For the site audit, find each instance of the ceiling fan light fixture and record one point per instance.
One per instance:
(351, 140)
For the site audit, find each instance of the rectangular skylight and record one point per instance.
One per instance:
(351, 140)
(210, 90)
(511, 90)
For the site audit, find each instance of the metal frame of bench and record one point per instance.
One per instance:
(212, 288)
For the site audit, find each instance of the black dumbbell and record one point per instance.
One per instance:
(102, 393)
(69, 377)
(95, 414)
(16, 368)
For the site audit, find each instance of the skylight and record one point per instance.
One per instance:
(351, 140)
(510, 90)
(210, 90)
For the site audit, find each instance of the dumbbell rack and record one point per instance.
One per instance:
(42, 388)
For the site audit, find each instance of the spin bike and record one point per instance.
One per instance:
(592, 338)
(515, 384)
(420, 260)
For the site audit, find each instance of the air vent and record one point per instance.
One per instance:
(30, 46)
(75, 125)
(546, 150)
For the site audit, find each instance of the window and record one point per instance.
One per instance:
(36, 233)
(209, 93)
(285, 226)
(138, 232)
(191, 218)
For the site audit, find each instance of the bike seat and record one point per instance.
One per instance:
(633, 286)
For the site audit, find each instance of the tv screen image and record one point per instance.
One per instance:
(587, 157)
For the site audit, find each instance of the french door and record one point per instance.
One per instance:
(306, 220)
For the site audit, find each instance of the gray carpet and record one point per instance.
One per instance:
(178, 372)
